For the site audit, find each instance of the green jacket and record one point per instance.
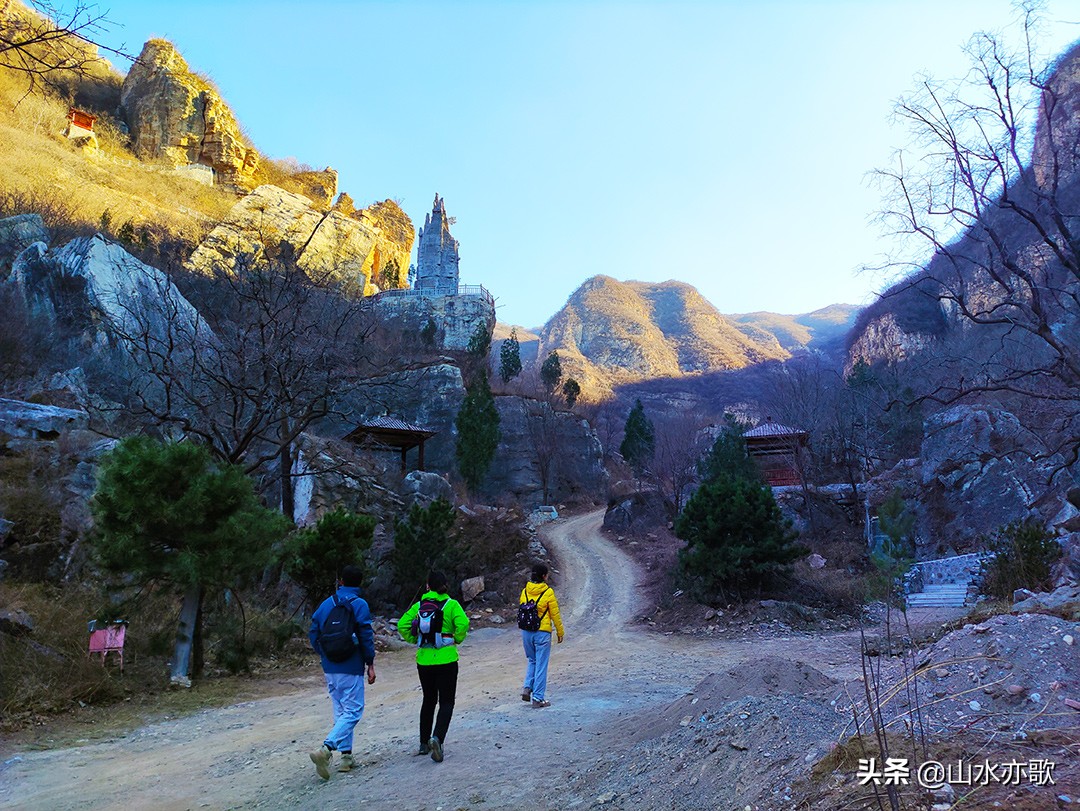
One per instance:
(455, 623)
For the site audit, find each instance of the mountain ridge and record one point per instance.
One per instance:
(613, 332)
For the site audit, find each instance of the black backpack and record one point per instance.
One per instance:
(339, 634)
(528, 615)
(428, 624)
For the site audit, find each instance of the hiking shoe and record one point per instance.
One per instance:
(424, 749)
(321, 758)
(526, 694)
(539, 704)
(436, 749)
(348, 763)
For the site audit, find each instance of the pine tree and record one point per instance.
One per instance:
(422, 542)
(551, 372)
(728, 455)
(510, 358)
(169, 512)
(478, 433)
(639, 440)
(571, 390)
(736, 538)
(314, 556)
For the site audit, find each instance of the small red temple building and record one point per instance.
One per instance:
(776, 450)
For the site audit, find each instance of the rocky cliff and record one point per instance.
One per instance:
(611, 332)
(177, 117)
(358, 252)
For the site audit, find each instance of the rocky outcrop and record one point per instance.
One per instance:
(423, 487)
(1056, 151)
(93, 289)
(333, 248)
(331, 474)
(177, 117)
(979, 472)
(612, 332)
(21, 420)
(449, 322)
(535, 436)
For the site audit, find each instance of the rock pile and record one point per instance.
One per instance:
(1006, 677)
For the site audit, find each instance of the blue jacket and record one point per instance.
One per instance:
(365, 651)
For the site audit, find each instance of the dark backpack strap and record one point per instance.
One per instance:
(545, 591)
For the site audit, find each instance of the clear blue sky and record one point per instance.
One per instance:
(723, 144)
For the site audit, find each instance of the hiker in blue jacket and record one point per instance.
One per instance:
(344, 679)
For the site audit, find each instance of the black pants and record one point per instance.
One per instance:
(439, 683)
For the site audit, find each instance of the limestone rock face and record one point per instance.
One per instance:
(177, 117)
(32, 421)
(1056, 151)
(455, 318)
(612, 332)
(331, 474)
(92, 284)
(978, 471)
(351, 252)
(884, 340)
(532, 435)
(430, 396)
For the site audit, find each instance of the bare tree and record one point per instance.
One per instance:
(994, 191)
(680, 442)
(45, 41)
(541, 423)
(271, 354)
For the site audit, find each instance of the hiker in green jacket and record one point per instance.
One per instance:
(436, 624)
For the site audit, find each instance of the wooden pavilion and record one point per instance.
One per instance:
(776, 450)
(390, 433)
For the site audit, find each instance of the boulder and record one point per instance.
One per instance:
(16, 235)
(637, 512)
(16, 622)
(421, 487)
(94, 289)
(21, 420)
(1063, 601)
(177, 117)
(470, 588)
(328, 474)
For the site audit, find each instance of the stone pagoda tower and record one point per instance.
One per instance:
(437, 253)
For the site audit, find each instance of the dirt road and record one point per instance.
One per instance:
(500, 753)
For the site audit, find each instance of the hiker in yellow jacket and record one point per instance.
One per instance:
(436, 624)
(537, 643)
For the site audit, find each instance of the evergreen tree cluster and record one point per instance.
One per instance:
(737, 540)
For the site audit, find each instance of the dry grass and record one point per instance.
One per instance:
(38, 165)
(48, 674)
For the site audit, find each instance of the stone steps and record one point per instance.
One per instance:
(940, 595)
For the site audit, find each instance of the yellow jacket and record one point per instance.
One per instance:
(547, 606)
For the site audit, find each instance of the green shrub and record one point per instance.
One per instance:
(736, 539)
(422, 542)
(314, 557)
(1021, 556)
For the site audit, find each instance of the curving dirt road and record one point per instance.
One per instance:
(500, 753)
